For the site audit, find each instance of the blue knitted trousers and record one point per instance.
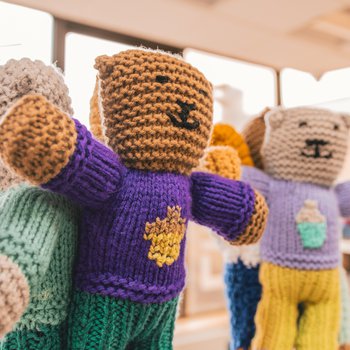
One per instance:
(243, 292)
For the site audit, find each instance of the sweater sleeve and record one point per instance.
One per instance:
(224, 205)
(257, 179)
(29, 224)
(343, 194)
(46, 147)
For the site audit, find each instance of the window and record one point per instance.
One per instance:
(244, 89)
(331, 91)
(81, 51)
(25, 33)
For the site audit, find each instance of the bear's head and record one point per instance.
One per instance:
(305, 144)
(155, 110)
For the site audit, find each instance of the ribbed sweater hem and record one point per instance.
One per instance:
(123, 288)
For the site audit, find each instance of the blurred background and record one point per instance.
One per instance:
(257, 53)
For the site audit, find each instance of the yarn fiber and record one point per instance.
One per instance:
(292, 152)
(254, 135)
(226, 135)
(277, 315)
(99, 322)
(38, 233)
(22, 77)
(140, 92)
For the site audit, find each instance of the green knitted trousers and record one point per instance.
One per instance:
(47, 338)
(105, 323)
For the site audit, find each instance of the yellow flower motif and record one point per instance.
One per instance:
(166, 236)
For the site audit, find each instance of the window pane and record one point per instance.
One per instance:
(255, 85)
(81, 51)
(301, 88)
(24, 33)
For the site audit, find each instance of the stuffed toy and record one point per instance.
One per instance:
(254, 135)
(228, 150)
(137, 194)
(38, 230)
(303, 152)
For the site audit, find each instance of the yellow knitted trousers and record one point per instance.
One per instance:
(278, 326)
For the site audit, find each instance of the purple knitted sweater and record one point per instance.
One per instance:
(282, 243)
(120, 203)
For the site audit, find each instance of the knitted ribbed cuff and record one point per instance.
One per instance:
(257, 223)
(14, 294)
(93, 173)
(224, 205)
(37, 139)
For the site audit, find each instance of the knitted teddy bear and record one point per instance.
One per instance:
(38, 230)
(303, 152)
(228, 150)
(137, 194)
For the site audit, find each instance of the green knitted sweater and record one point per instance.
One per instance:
(38, 231)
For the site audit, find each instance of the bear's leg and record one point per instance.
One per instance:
(319, 324)
(99, 322)
(155, 328)
(243, 291)
(47, 337)
(277, 313)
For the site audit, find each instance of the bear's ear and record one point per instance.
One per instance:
(105, 65)
(274, 118)
(346, 119)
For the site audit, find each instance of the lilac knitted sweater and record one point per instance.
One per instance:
(120, 203)
(282, 243)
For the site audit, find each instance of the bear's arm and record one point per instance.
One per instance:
(30, 220)
(46, 147)
(257, 179)
(231, 208)
(343, 194)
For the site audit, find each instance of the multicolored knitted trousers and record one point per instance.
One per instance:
(277, 326)
(47, 338)
(243, 294)
(104, 323)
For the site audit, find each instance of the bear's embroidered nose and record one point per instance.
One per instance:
(315, 146)
(186, 109)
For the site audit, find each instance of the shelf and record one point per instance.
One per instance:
(202, 332)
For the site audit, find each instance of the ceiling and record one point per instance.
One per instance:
(310, 35)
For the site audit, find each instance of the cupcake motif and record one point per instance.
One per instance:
(312, 225)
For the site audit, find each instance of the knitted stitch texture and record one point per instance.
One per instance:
(38, 229)
(243, 292)
(7, 178)
(277, 315)
(99, 322)
(254, 135)
(305, 145)
(14, 294)
(48, 337)
(152, 103)
(324, 139)
(121, 203)
(226, 135)
(241, 271)
(303, 153)
(21, 77)
(38, 233)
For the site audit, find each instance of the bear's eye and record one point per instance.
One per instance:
(336, 127)
(204, 93)
(162, 79)
(302, 124)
